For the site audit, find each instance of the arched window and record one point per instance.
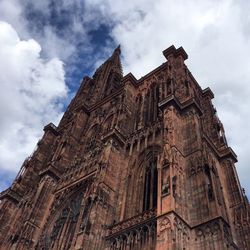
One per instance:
(142, 183)
(113, 83)
(138, 111)
(64, 227)
(85, 225)
(150, 186)
(92, 137)
(107, 126)
(209, 183)
(151, 105)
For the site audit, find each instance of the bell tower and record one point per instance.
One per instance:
(133, 164)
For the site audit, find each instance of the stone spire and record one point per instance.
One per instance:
(108, 76)
(113, 62)
(116, 61)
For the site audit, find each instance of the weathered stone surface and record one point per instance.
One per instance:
(133, 164)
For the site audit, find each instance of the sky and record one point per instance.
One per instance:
(47, 46)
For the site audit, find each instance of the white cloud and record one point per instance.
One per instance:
(11, 11)
(30, 89)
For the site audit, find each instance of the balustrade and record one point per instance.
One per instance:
(138, 232)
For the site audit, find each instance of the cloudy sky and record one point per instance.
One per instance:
(47, 46)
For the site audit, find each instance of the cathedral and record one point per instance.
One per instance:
(134, 164)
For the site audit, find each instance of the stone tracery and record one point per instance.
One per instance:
(133, 164)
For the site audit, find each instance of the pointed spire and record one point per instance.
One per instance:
(113, 62)
(108, 76)
(117, 50)
(116, 61)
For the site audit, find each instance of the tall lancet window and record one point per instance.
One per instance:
(150, 186)
(64, 227)
(209, 183)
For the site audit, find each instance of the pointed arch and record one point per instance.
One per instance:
(143, 183)
(63, 221)
(92, 136)
(139, 111)
(209, 182)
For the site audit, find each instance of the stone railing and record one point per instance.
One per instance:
(133, 221)
(137, 232)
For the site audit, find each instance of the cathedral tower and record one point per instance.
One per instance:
(133, 164)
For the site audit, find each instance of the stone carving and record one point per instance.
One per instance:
(166, 186)
(165, 178)
(169, 128)
(67, 218)
(165, 224)
(139, 236)
(123, 147)
(195, 165)
(138, 219)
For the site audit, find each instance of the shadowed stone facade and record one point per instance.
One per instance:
(133, 164)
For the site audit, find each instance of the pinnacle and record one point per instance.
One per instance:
(115, 58)
(117, 50)
(113, 62)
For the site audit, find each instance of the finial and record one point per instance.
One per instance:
(118, 49)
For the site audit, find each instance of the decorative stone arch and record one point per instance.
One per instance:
(112, 83)
(143, 182)
(151, 100)
(108, 122)
(165, 224)
(209, 182)
(139, 111)
(92, 136)
(63, 222)
(92, 128)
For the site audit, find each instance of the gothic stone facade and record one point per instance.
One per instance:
(133, 164)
